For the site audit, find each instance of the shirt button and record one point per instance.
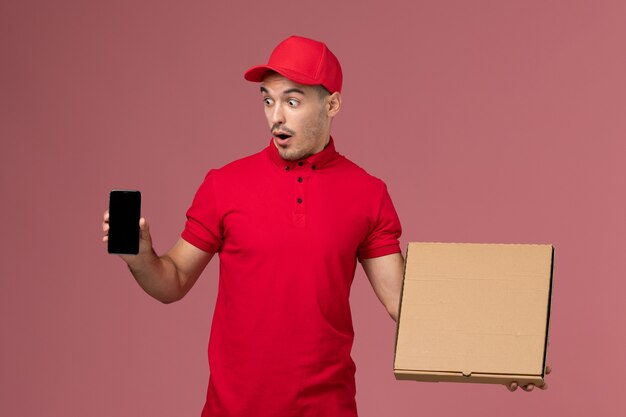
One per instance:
(313, 167)
(299, 201)
(299, 179)
(300, 163)
(287, 168)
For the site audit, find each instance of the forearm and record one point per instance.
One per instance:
(390, 297)
(157, 276)
(392, 302)
(385, 274)
(168, 277)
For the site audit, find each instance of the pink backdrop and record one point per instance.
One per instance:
(490, 121)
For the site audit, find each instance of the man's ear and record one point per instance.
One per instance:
(333, 104)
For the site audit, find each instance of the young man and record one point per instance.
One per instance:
(289, 224)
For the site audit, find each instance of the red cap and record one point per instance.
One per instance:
(304, 61)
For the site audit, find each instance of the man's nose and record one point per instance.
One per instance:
(277, 116)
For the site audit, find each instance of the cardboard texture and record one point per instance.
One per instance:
(474, 313)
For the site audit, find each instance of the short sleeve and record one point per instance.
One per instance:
(204, 226)
(383, 237)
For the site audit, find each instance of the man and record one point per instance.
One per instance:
(289, 224)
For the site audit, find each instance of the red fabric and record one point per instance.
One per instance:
(303, 60)
(282, 330)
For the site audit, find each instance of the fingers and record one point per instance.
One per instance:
(513, 386)
(105, 226)
(105, 221)
(548, 369)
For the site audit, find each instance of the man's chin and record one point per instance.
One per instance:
(288, 156)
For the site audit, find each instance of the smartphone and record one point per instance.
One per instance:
(124, 214)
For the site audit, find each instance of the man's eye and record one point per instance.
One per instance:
(292, 102)
(267, 101)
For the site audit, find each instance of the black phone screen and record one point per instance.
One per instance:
(124, 213)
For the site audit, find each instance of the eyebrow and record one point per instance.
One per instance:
(293, 90)
(288, 91)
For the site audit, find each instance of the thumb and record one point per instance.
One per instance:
(144, 230)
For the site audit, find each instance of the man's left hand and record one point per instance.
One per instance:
(529, 387)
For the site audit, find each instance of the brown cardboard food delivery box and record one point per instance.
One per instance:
(474, 313)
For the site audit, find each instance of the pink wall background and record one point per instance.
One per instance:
(490, 121)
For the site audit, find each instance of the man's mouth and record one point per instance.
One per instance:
(281, 136)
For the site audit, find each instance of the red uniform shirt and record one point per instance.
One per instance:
(288, 234)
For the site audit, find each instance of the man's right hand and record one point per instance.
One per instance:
(145, 240)
(168, 277)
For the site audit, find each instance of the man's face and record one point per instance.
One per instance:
(297, 115)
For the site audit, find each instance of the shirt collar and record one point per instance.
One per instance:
(317, 161)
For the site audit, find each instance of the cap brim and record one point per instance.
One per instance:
(257, 73)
